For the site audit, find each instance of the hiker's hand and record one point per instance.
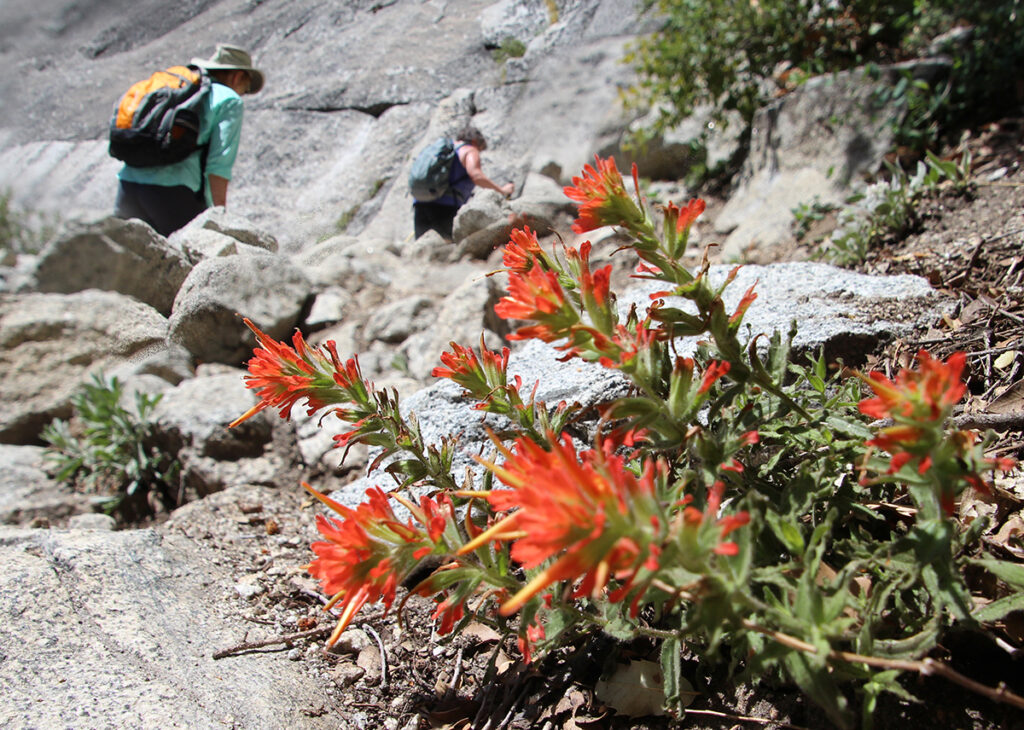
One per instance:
(508, 189)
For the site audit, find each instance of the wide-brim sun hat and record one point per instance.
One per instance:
(232, 58)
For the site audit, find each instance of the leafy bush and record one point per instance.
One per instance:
(737, 501)
(108, 450)
(735, 54)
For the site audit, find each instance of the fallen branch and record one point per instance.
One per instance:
(286, 639)
(925, 667)
(1013, 421)
(744, 718)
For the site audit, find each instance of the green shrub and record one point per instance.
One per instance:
(735, 54)
(108, 450)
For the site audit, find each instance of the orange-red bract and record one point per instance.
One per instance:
(576, 507)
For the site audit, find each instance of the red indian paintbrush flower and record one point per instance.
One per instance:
(479, 376)
(523, 251)
(715, 370)
(743, 306)
(283, 375)
(602, 198)
(586, 510)
(537, 295)
(365, 555)
(920, 403)
(693, 519)
(686, 215)
(925, 394)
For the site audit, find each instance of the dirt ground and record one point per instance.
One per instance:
(386, 675)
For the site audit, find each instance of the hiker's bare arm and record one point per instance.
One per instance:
(471, 161)
(218, 189)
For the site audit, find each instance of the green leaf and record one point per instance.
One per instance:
(998, 609)
(786, 532)
(812, 674)
(671, 672)
(849, 426)
(1012, 573)
(628, 407)
(911, 646)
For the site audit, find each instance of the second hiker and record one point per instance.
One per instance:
(464, 175)
(169, 196)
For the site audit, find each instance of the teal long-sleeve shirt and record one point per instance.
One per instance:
(220, 125)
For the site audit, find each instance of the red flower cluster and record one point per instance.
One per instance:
(537, 295)
(594, 285)
(920, 403)
(684, 217)
(925, 394)
(693, 518)
(602, 198)
(283, 375)
(365, 555)
(523, 251)
(587, 510)
(479, 376)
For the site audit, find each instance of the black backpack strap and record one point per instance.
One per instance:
(458, 161)
(204, 149)
(205, 82)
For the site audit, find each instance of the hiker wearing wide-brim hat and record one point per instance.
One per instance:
(232, 58)
(169, 196)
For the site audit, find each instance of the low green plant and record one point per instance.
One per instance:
(888, 208)
(345, 219)
(510, 48)
(108, 450)
(739, 501)
(805, 215)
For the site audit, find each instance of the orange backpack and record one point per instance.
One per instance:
(156, 122)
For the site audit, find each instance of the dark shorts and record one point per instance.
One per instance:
(165, 208)
(434, 217)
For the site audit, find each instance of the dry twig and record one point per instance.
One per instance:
(285, 639)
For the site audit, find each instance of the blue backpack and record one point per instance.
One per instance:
(428, 178)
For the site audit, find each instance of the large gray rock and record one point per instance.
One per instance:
(52, 342)
(229, 224)
(116, 255)
(191, 422)
(815, 143)
(208, 311)
(842, 312)
(197, 412)
(700, 140)
(395, 321)
(28, 493)
(519, 20)
(117, 630)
